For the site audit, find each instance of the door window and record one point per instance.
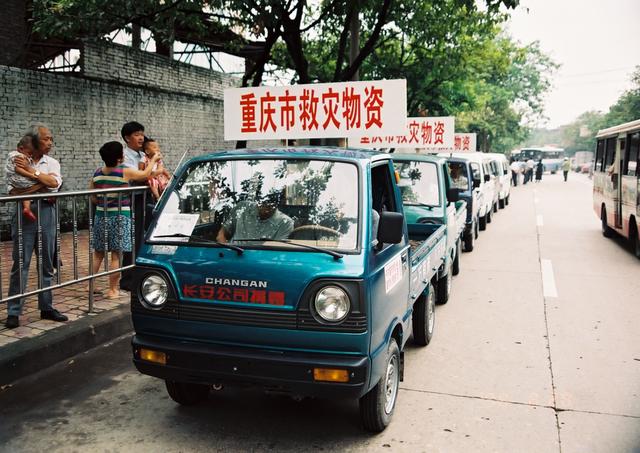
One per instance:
(599, 156)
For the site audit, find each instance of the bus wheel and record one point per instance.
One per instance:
(186, 393)
(606, 231)
(634, 240)
(423, 319)
(483, 222)
(456, 261)
(376, 407)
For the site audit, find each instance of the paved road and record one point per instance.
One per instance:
(538, 350)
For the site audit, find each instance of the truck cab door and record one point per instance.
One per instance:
(388, 263)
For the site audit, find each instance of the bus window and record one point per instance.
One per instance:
(475, 170)
(610, 153)
(599, 156)
(631, 157)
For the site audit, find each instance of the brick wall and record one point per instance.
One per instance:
(180, 105)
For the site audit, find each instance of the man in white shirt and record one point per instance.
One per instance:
(133, 136)
(529, 175)
(44, 170)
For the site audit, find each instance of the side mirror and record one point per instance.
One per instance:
(487, 177)
(453, 195)
(390, 228)
(476, 183)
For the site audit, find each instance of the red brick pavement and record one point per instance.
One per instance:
(71, 300)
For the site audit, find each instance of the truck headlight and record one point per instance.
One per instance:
(332, 303)
(154, 291)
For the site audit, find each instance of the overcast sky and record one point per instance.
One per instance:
(597, 43)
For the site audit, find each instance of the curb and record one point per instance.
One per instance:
(27, 356)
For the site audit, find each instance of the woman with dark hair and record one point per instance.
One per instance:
(114, 222)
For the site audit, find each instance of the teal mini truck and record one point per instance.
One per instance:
(290, 269)
(429, 197)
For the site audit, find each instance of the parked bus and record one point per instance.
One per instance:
(551, 156)
(616, 186)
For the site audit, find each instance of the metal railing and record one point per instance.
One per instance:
(78, 199)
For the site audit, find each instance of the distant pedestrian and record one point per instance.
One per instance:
(115, 222)
(566, 166)
(46, 171)
(530, 165)
(515, 171)
(539, 170)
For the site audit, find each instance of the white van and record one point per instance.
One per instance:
(483, 183)
(502, 172)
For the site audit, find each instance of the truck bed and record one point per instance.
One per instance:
(428, 249)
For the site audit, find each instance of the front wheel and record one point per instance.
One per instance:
(506, 200)
(606, 231)
(186, 393)
(483, 222)
(469, 240)
(488, 216)
(456, 261)
(495, 207)
(376, 407)
(444, 287)
(502, 203)
(423, 319)
(634, 240)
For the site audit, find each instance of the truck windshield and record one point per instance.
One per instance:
(418, 183)
(291, 201)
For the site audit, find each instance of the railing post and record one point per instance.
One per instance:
(39, 237)
(90, 255)
(75, 239)
(23, 284)
(58, 242)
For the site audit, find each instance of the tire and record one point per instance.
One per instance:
(423, 318)
(187, 394)
(495, 207)
(476, 231)
(455, 268)
(489, 216)
(506, 200)
(483, 222)
(469, 240)
(502, 203)
(444, 287)
(634, 241)
(606, 230)
(377, 405)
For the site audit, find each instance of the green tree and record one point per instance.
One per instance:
(627, 108)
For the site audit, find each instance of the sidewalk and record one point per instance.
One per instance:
(38, 343)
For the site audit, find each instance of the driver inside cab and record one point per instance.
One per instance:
(257, 219)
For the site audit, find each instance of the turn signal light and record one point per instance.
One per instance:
(153, 356)
(330, 375)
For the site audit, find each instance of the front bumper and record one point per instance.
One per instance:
(286, 371)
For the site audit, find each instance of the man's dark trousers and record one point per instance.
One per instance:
(47, 216)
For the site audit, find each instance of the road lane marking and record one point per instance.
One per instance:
(548, 280)
(539, 221)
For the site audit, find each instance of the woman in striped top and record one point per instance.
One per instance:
(112, 220)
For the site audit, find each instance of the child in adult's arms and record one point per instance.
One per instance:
(22, 177)
(160, 176)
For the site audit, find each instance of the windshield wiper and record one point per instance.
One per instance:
(335, 255)
(417, 203)
(239, 250)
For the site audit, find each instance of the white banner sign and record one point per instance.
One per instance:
(323, 110)
(462, 143)
(420, 132)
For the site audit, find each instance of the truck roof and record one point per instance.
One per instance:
(298, 151)
(417, 157)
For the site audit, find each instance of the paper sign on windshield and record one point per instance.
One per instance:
(169, 224)
(323, 110)
(419, 133)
